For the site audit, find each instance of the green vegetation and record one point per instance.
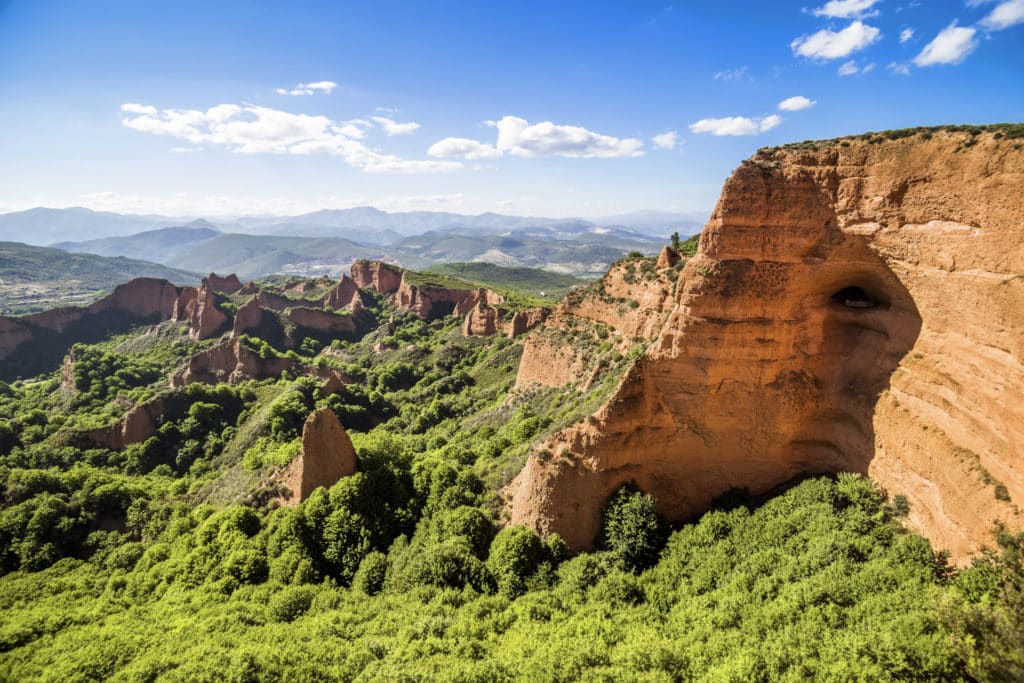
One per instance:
(1009, 131)
(531, 283)
(35, 279)
(170, 560)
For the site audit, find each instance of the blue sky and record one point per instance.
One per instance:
(584, 109)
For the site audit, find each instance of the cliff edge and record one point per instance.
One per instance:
(854, 305)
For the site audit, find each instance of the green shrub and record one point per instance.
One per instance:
(631, 528)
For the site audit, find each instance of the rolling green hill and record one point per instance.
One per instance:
(151, 245)
(37, 278)
(528, 282)
(250, 256)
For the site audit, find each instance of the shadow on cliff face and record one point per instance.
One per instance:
(868, 322)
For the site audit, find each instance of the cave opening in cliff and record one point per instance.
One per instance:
(856, 297)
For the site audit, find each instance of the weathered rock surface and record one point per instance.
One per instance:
(850, 308)
(525, 320)
(481, 320)
(33, 343)
(231, 361)
(205, 319)
(222, 285)
(668, 257)
(382, 277)
(327, 456)
(248, 318)
(137, 425)
(345, 294)
(321, 321)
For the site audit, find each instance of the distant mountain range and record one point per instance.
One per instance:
(367, 225)
(325, 242)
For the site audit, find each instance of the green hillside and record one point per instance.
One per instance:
(532, 283)
(250, 256)
(37, 278)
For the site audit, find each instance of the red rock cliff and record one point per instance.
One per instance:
(851, 308)
(382, 277)
(327, 456)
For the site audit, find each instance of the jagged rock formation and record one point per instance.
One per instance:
(481, 320)
(431, 301)
(668, 257)
(327, 456)
(381, 277)
(850, 308)
(248, 318)
(232, 361)
(322, 322)
(205, 319)
(631, 300)
(525, 320)
(33, 343)
(137, 425)
(222, 285)
(345, 294)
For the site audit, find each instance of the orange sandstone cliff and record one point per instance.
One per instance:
(854, 305)
(327, 456)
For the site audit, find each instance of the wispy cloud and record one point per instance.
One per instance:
(308, 88)
(392, 127)
(796, 103)
(666, 140)
(906, 34)
(851, 68)
(847, 9)
(738, 74)
(519, 137)
(899, 69)
(951, 46)
(736, 125)
(250, 129)
(828, 44)
(1006, 14)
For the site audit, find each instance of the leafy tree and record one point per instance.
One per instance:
(631, 528)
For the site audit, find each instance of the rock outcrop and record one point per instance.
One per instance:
(137, 425)
(205, 319)
(381, 277)
(222, 285)
(322, 322)
(327, 456)
(248, 318)
(525, 320)
(232, 361)
(345, 294)
(850, 308)
(668, 257)
(34, 343)
(481, 320)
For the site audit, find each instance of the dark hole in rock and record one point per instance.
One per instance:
(854, 297)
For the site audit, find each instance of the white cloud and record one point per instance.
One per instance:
(738, 74)
(1005, 15)
(906, 34)
(847, 9)
(185, 150)
(827, 44)
(796, 103)
(463, 147)
(308, 88)
(392, 127)
(132, 108)
(519, 137)
(951, 46)
(899, 69)
(736, 125)
(250, 129)
(666, 140)
(851, 68)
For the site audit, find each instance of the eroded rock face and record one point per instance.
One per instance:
(482, 320)
(430, 301)
(525, 320)
(143, 297)
(668, 257)
(231, 361)
(327, 456)
(382, 277)
(223, 285)
(322, 322)
(850, 308)
(205, 319)
(345, 294)
(248, 318)
(137, 425)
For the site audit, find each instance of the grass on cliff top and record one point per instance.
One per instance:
(535, 283)
(1008, 131)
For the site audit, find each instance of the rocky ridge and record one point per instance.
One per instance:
(850, 308)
